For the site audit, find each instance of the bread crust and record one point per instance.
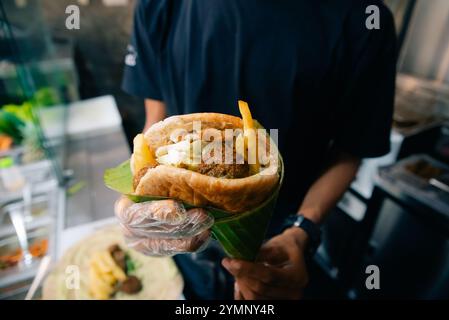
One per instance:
(232, 195)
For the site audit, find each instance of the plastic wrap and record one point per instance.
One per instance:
(163, 227)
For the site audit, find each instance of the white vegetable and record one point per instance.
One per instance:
(211, 134)
(183, 146)
(178, 135)
(192, 137)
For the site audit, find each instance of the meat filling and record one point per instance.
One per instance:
(233, 170)
(227, 171)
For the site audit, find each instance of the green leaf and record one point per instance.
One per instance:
(120, 178)
(130, 265)
(240, 235)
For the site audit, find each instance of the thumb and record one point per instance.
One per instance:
(121, 205)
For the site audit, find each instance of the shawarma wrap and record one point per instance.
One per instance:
(179, 158)
(162, 163)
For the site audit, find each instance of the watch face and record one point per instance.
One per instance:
(290, 221)
(299, 220)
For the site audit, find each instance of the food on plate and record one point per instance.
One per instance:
(37, 249)
(207, 159)
(109, 274)
(102, 267)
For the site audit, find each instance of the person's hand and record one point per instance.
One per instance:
(279, 273)
(163, 227)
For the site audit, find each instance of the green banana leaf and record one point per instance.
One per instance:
(240, 235)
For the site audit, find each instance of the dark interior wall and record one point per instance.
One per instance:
(100, 46)
(425, 52)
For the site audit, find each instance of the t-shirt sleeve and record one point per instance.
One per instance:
(141, 74)
(364, 125)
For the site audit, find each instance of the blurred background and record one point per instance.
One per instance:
(64, 119)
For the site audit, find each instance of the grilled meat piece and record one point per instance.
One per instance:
(119, 256)
(234, 170)
(227, 171)
(131, 285)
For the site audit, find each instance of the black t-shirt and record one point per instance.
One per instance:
(310, 69)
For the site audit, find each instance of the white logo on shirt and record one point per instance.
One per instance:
(373, 20)
(73, 19)
(131, 57)
(373, 280)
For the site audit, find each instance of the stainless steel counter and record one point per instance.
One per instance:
(88, 158)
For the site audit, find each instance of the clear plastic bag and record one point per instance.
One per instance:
(163, 227)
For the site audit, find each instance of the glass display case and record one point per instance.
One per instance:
(54, 148)
(35, 80)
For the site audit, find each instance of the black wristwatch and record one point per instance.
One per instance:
(313, 231)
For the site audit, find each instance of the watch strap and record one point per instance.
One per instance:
(313, 231)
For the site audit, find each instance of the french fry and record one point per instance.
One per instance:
(108, 278)
(104, 273)
(116, 271)
(250, 137)
(99, 288)
(99, 263)
(142, 155)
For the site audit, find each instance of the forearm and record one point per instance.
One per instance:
(329, 187)
(155, 111)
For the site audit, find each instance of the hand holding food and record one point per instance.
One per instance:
(163, 227)
(279, 273)
(226, 167)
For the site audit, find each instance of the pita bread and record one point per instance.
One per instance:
(232, 195)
